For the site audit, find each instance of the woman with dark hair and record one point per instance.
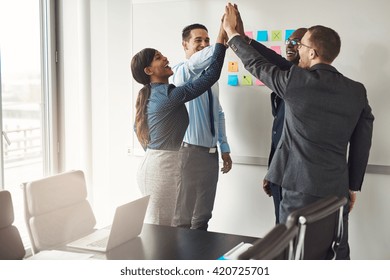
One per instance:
(160, 123)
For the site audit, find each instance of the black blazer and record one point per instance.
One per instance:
(277, 104)
(326, 138)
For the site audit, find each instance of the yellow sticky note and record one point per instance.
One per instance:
(233, 66)
(246, 80)
(276, 35)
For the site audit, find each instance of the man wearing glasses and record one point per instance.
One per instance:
(277, 103)
(326, 139)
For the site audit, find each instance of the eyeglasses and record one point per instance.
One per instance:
(293, 42)
(300, 46)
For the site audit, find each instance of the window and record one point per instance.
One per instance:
(27, 83)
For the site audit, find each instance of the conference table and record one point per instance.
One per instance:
(158, 242)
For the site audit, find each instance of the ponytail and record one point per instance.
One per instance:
(141, 118)
(139, 62)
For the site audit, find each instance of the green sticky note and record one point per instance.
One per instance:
(276, 35)
(246, 80)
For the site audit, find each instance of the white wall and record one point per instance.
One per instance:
(241, 206)
(75, 84)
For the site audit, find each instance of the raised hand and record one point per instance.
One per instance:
(230, 19)
(240, 24)
(222, 36)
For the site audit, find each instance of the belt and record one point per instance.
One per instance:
(212, 150)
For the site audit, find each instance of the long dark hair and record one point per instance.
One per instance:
(139, 62)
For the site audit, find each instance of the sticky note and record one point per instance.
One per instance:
(288, 33)
(259, 83)
(276, 35)
(246, 80)
(249, 34)
(262, 35)
(232, 80)
(276, 49)
(233, 66)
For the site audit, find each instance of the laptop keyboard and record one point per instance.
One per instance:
(102, 243)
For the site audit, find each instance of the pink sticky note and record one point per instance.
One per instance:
(276, 49)
(249, 34)
(259, 83)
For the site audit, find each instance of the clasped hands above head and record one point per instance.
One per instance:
(231, 21)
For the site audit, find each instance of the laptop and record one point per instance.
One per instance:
(127, 224)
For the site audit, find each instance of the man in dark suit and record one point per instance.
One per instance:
(326, 138)
(277, 103)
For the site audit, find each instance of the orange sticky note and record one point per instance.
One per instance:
(233, 66)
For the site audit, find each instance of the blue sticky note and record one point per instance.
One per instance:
(262, 35)
(288, 33)
(233, 80)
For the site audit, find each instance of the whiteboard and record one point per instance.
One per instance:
(363, 26)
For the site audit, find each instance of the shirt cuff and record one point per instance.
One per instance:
(224, 148)
(233, 35)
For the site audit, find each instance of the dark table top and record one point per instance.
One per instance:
(170, 243)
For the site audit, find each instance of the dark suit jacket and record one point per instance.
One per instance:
(277, 104)
(326, 139)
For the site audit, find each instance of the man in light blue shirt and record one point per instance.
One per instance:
(199, 153)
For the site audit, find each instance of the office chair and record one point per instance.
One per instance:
(57, 210)
(11, 245)
(320, 228)
(277, 244)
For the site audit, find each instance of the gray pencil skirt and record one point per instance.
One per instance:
(158, 176)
